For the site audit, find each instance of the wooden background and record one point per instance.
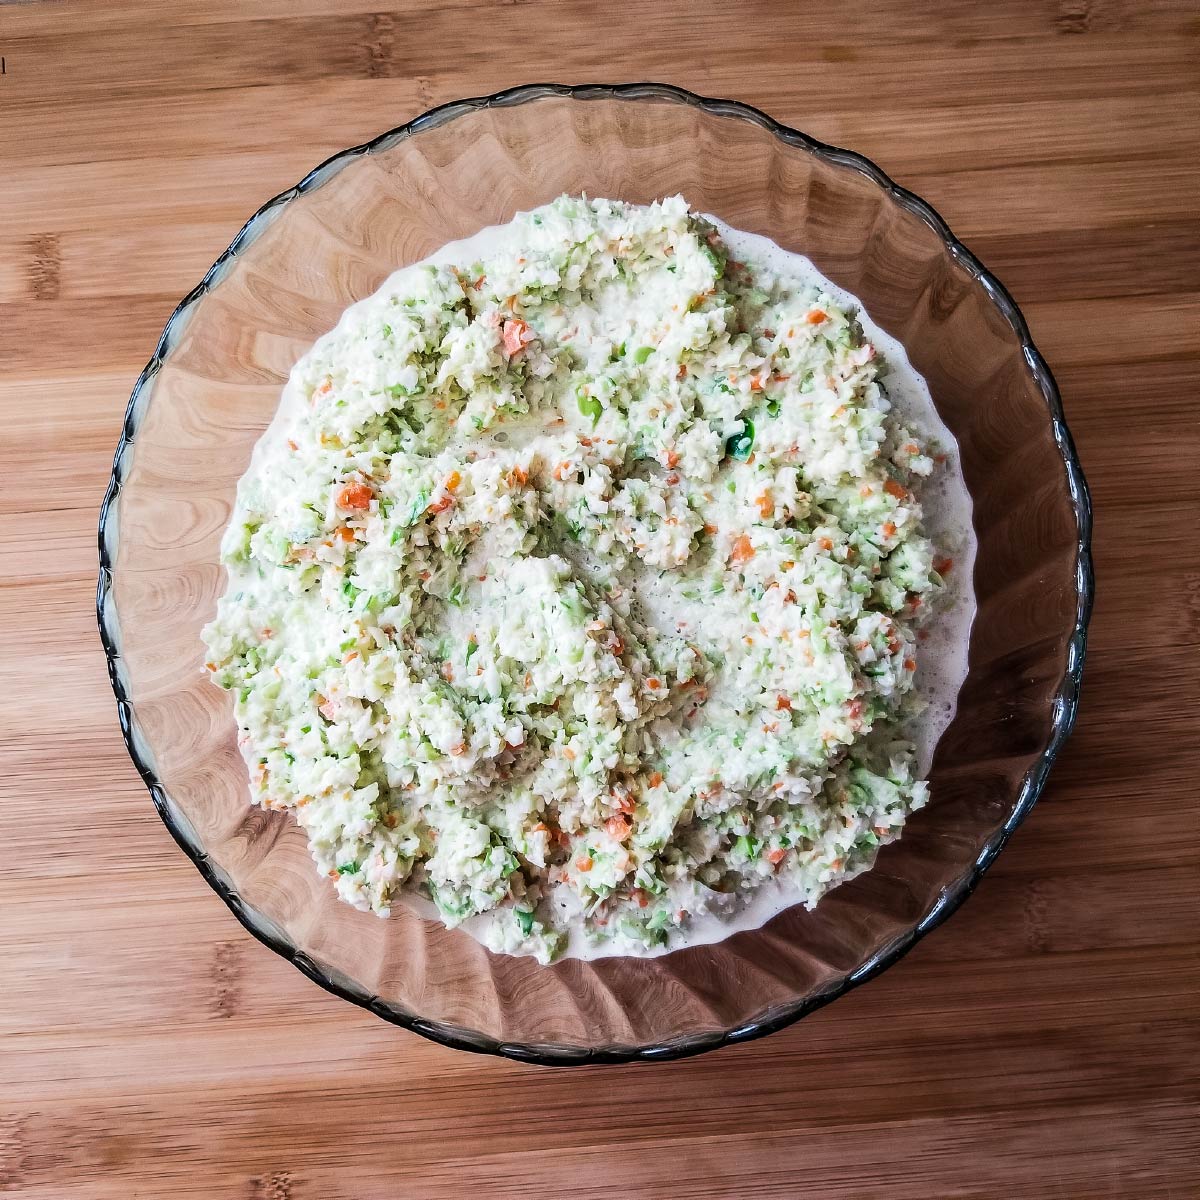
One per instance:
(1043, 1043)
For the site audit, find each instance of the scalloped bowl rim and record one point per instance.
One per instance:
(1065, 703)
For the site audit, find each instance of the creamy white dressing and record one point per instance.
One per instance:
(942, 656)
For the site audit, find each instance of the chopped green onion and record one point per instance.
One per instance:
(349, 868)
(525, 921)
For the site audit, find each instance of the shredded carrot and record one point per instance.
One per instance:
(514, 335)
(825, 543)
(453, 480)
(354, 496)
(292, 445)
(617, 827)
(766, 506)
(743, 549)
(783, 704)
(775, 857)
(895, 489)
(655, 779)
(584, 862)
(816, 316)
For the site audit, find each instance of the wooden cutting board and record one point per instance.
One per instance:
(1043, 1043)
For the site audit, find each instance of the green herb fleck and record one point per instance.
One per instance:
(741, 444)
(589, 406)
(747, 847)
(419, 505)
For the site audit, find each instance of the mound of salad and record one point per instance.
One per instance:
(575, 589)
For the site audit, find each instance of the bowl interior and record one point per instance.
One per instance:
(213, 389)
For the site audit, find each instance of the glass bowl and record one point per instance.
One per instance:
(212, 386)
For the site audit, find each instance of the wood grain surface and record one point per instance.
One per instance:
(1043, 1043)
